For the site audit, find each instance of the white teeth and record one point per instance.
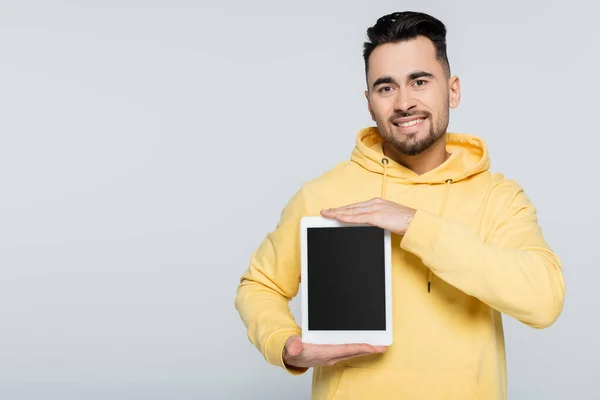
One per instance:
(410, 123)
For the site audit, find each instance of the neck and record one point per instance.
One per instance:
(424, 162)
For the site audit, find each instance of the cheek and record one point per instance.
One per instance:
(381, 107)
(433, 102)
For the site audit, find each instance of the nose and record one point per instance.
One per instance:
(404, 101)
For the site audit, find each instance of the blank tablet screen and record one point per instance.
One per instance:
(346, 278)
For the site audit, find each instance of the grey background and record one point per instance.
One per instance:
(147, 147)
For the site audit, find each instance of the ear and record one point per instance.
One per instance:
(454, 91)
(369, 105)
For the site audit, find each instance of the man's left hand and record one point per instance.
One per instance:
(384, 214)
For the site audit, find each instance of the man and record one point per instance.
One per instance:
(467, 246)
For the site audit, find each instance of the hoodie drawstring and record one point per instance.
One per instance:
(441, 214)
(385, 163)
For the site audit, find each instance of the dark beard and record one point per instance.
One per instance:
(412, 147)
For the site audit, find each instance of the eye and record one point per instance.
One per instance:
(385, 89)
(420, 82)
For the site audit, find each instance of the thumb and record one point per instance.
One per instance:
(294, 346)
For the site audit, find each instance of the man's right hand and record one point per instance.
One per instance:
(304, 355)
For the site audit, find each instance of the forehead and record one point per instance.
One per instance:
(400, 59)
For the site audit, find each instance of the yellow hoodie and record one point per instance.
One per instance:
(474, 250)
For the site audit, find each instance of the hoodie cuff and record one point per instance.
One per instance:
(422, 235)
(274, 351)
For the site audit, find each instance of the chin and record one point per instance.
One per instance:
(407, 139)
(412, 144)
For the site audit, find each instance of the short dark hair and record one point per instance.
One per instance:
(401, 26)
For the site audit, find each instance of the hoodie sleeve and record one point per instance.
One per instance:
(270, 282)
(514, 271)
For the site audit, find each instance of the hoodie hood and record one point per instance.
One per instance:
(468, 157)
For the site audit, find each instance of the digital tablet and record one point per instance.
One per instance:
(346, 283)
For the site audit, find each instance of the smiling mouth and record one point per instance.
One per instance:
(409, 123)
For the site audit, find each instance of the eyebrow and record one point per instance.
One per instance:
(410, 77)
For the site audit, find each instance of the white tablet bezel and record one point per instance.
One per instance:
(376, 338)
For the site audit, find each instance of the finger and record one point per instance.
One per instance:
(338, 359)
(356, 209)
(363, 347)
(327, 352)
(368, 350)
(348, 212)
(369, 207)
(362, 218)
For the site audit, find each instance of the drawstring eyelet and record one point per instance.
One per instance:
(385, 161)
